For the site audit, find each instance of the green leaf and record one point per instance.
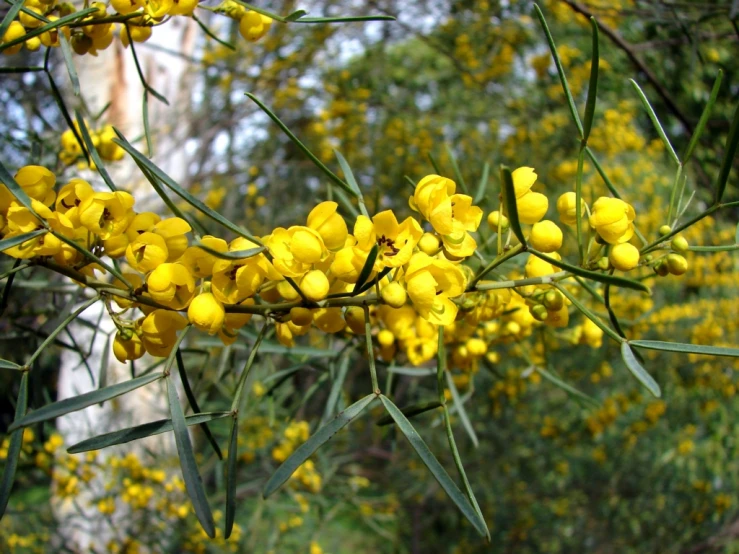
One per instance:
(295, 15)
(104, 359)
(139, 432)
(67, 55)
(15, 8)
(56, 409)
(459, 405)
(569, 389)
(638, 371)
(434, 466)
(686, 348)
(655, 121)
(182, 193)
(347, 19)
(482, 185)
(233, 447)
(732, 140)
(318, 439)
(410, 411)
(14, 448)
(599, 168)
(592, 275)
(20, 239)
(560, 71)
(352, 182)
(62, 21)
(238, 255)
(318, 163)
(5, 364)
(367, 269)
(190, 473)
(593, 84)
(336, 387)
(94, 154)
(211, 34)
(194, 403)
(704, 117)
(509, 199)
(588, 313)
(455, 167)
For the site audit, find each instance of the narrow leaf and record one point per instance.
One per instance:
(20, 239)
(638, 371)
(212, 35)
(194, 403)
(482, 186)
(410, 411)
(67, 55)
(233, 447)
(336, 388)
(655, 121)
(56, 409)
(318, 439)
(15, 8)
(461, 411)
(139, 432)
(347, 19)
(190, 473)
(455, 168)
(509, 199)
(569, 389)
(94, 154)
(238, 255)
(14, 448)
(592, 275)
(593, 84)
(367, 269)
(434, 466)
(686, 348)
(295, 15)
(15, 189)
(62, 21)
(704, 117)
(352, 182)
(732, 140)
(182, 193)
(560, 71)
(5, 364)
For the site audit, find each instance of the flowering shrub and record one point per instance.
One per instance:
(466, 276)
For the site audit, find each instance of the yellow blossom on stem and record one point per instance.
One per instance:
(612, 218)
(431, 283)
(325, 220)
(206, 312)
(171, 285)
(107, 214)
(159, 331)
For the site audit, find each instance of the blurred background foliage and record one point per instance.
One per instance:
(474, 79)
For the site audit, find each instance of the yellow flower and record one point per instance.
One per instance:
(159, 331)
(198, 261)
(183, 7)
(143, 222)
(395, 241)
(125, 7)
(567, 208)
(592, 335)
(171, 285)
(127, 349)
(206, 313)
(329, 224)
(254, 26)
(612, 218)
(546, 236)
(295, 249)
(15, 31)
(531, 205)
(147, 252)
(329, 320)
(624, 257)
(431, 283)
(38, 183)
(234, 281)
(107, 214)
(173, 231)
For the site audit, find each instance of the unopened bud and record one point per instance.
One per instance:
(676, 264)
(679, 244)
(553, 300)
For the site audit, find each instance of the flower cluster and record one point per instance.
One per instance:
(96, 30)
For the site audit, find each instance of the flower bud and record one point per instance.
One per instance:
(603, 263)
(385, 338)
(496, 217)
(394, 295)
(539, 312)
(546, 236)
(553, 300)
(315, 285)
(354, 317)
(129, 348)
(624, 257)
(679, 244)
(206, 312)
(301, 316)
(429, 244)
(665, 230)
(676, 264)
(661, 268)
